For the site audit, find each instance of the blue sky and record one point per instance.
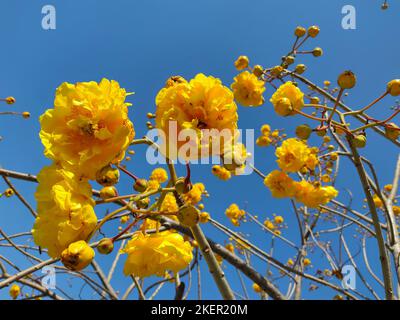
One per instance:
(141, 43)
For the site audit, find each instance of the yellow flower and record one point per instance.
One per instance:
(396, 210)
(263, 141)
(159, 174)
(242, 63)
(292, 155)
(152, 185)
(377, 201)
(15, 290)
(257, 288)
(65, 210)
(221, 172)
(293, 95)
(235, 214)
(388, 187)
(269, 225)
(306, 262)
(312, 196)
(153, 254)
(9, 192)
(204, 217)
(280, 184)
(265, 129)
(194, 195)
(248, 89)
(77, 256)
(278, 219)
(88, 127)
(203, 103)
(124, 219)
(169, 203)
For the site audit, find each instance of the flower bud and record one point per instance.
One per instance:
(359, 141)
(204, 217)
(317, 52)
(392, 131)
(188, 215)
(321, 133)
(171, 81)
(300, 68)
(10, 100)
(9, 192)
(233, 159)
(108, 192)
(15, 291)
(393, 87)
(105, 246)
(181, 186)
(289, 60)
(26, 115)
(140, 185)
(108, 176)
(77, 256)
(299, 31)
(346, 80)
(258, 70)
(283, 107)
(143, 203)
(276, 71)
(313, 31)
(242, 63)
(303, 131)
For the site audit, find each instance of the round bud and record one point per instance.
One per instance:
(303, 131)
(300, 68)
(317, 52)
(105, 246)
(10, 100)
(108, 192)
(283, 107)
(392, 131)
(299, 31)
(393, 87)
(204, 217)
(346, 80)
(314, 100)
(313, 31)
(140, 185)
(289, 60)
(108, 176)
(26, 115)
(258, 70)
(321, 133)
(188, 215)
(276, 71)
(181, 186)
(143, 203)
(384, 6)
(242, 63)
(359, 141)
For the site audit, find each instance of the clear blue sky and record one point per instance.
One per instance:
(141, 43)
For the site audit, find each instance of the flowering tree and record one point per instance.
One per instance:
(89, 139)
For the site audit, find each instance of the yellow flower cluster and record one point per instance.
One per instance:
(294, 154)
(159, 174)
(202, 103)
(221, 173)
(88, 128)
(195, 194)
(287, 99)
(235, 214)
(65, 210)
(282, 186)
(154, 254)
(248, 89)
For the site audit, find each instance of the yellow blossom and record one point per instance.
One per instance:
(77, 256)
(234, 213)
(312, 196)
(65, 210)
(248, 89)
(306, 262)
(377, 201)
(194, 195)
(278, 219)
(88, 127)
(9, 192)
(159, 174)
(257, 288)
(294, 95)
(292, 155)
(15, 291)
(221, 173)
(269, 224)
(202, 105)
(154, 254)
(280, 184)
(169, 203)
(242, 63)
